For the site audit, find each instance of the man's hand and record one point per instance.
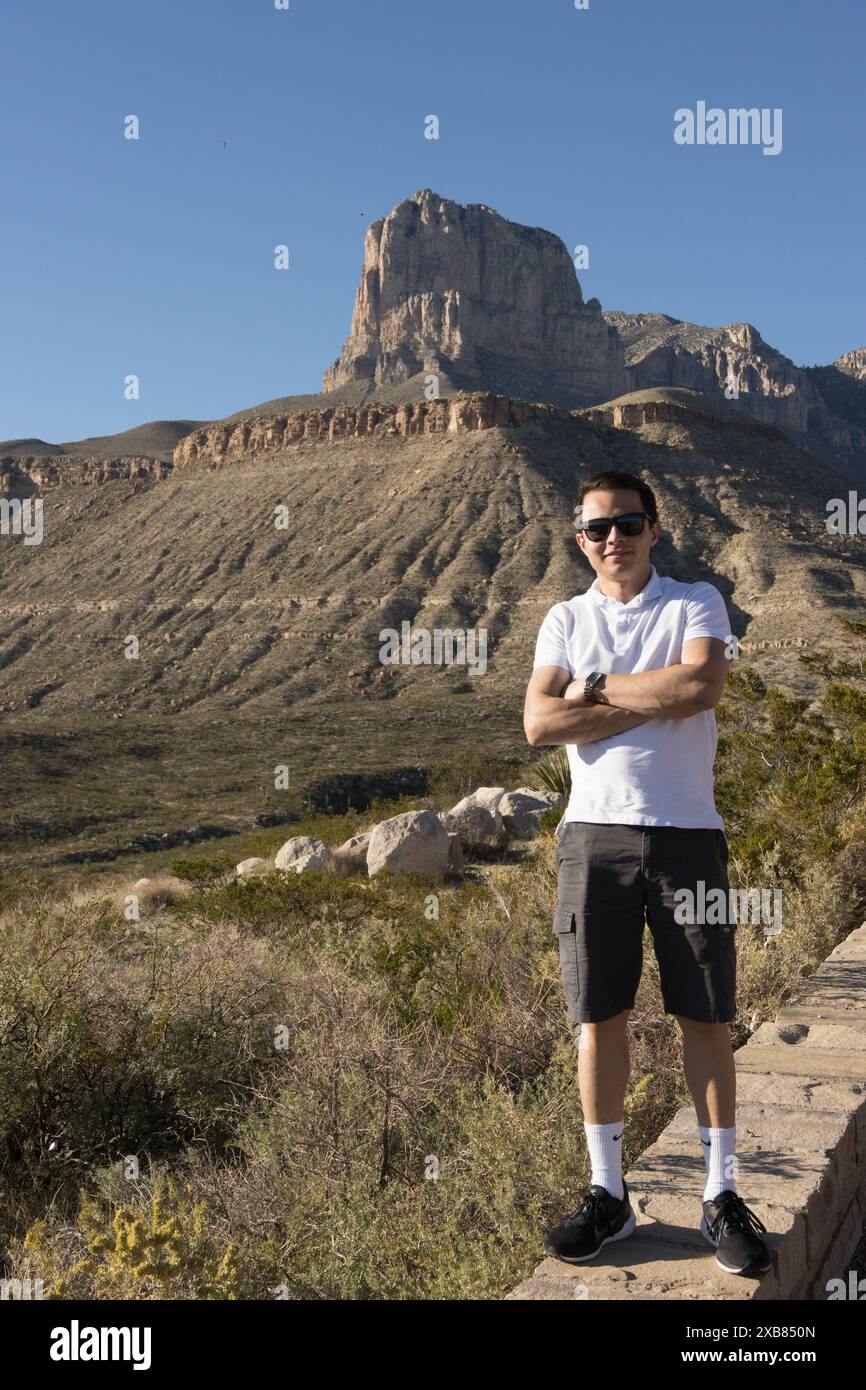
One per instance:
(674, 692)
(552, 715)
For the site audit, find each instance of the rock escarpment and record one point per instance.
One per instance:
(235, 441)
(661, 351)
(20, 473)
(231, 442)
(462, 289)
(823, 409)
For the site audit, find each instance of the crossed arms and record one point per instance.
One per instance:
(555, 710)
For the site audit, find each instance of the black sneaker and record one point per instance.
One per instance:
(598, 1220)
(732, 1229)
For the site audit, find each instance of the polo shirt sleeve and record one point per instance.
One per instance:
(706, 614)
(550, 646)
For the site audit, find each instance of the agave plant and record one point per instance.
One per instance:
(554, 772)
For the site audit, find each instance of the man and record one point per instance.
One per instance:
(627, 676)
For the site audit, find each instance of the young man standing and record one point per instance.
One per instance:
(627, 676)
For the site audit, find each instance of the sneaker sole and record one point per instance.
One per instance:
(750, 1269)
(627, 1230)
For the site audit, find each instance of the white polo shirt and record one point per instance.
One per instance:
(660, 773)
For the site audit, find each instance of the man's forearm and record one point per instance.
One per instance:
(577, 720)
(673, 692)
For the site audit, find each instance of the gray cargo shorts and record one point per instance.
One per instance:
(614, 879)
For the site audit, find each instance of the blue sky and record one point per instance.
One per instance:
(155, 256)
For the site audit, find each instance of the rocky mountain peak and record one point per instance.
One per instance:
(853, 364)
(492, 304)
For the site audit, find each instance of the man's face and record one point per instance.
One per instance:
(618, 557)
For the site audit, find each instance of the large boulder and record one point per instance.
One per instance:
(475, 824)
(520, 812)
(415, 842)
(302, 854)
(351, 856)
(488, 797)
(248, 868)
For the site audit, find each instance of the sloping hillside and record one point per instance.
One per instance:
(259, 646)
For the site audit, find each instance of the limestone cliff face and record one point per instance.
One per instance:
(853, 364)
(661, 351)
(229, 442)
(29, 474)
(450, 287)
(822, 408)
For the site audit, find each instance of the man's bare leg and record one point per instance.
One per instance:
(603, 1067)
(708, 1063)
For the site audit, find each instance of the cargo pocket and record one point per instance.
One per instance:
(563, 920)
(564, 924)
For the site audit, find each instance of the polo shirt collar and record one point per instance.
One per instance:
(651, 590)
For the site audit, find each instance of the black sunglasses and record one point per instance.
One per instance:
(629, 524)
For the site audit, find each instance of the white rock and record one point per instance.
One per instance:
(520, 812)
(248, 868)
(141, 883)
(303, 853)
(488, 797)
(475, 824)
(415, 842)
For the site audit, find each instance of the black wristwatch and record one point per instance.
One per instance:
(594, 683)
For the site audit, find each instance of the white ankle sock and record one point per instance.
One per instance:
(722, 1165)
(704, 1136)
(605, 1151)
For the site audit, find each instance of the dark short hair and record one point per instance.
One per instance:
(610, 482)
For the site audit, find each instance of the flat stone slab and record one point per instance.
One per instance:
(791, 1061)
(773, 1127)
(819, 1012)
(635, 1269)
(800, 1092)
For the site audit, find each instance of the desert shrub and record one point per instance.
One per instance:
(785, 777)
(206, 872)
(17, 887)
(119, 1039)
(552, 771)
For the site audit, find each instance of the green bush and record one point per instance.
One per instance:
(204, 873)
(554, 772)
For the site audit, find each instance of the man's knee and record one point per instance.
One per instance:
(693, 1027)
(608, 1027)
